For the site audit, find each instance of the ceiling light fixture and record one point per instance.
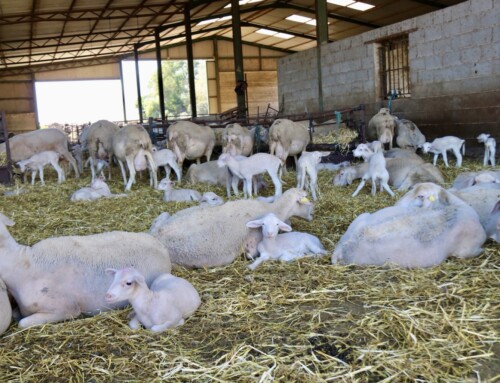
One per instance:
(360, 6)
(342, 3)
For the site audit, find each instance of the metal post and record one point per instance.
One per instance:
(138, 82)
(238, 59)
(160, 75)
(189, 54)
(123, 93)
(322, 38)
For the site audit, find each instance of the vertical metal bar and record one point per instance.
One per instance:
(217, 79)
(322, 38)
(238, 56)
(7, 146)
(123, 92)
(159, 72)
(138, 83)
(189, 54)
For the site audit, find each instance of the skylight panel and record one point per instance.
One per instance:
(360, 6)
(298, 18)
(207, 21)
(283, 35)
(265, 32)
(342, 3)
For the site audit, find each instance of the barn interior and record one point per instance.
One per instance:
(434, 62)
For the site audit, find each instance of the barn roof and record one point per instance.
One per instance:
(39, 33)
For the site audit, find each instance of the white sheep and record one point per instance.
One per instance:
(490, 145)
(306, 166)
(66, 275)
(98, 189)
(210, 198)
(246, 168)
(37, 162)
(171, 194)
(376, 172)
(442, 145)
(164, 305)
(285, 247)
(167, 159)
(5, 308)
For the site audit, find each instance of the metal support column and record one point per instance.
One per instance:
(123, 92)
(322, 38)
(189, 55)
(160, 75)
(238, 60)
(138, 82)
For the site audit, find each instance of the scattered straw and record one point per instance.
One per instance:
(306, 321)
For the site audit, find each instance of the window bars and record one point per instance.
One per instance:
(395, 71)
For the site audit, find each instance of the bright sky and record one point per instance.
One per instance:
(81, 101)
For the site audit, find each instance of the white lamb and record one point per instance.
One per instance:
(211, 199)
(490, 145)
(285, 247)
(98, 189)
(171, 194)
(306, 166)
(377, 171)
(167, 159)
(258, 163)
(38, 161)
(164, 305)
(442, 145)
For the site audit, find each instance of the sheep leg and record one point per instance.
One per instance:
(92, 168)
(131, 169)
(374, 186)
(152, 169)
(361, 184)
(122, 169)
(69, 157)
(445, 158)
(486, 156)
(277, 184)
(60, 173)
(33, 177)
(458, 156)
(248, 186)
(41, 318)
(134, 323)
(288, 256)
(386, 187)
(166, 325)
(435, 159)
(42, 181)
(177, 170)
(263, 257)
(313, 184)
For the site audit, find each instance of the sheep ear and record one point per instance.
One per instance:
(443, 197)
(254, 224)
(6, 221)
(284, 227)
(138, 278)
(111, 272)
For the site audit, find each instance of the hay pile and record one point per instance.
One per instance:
(3, 159)
(306, 321)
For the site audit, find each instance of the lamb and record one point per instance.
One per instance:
(365, 151)
(256, 164)
(38, 161)
(490, 145)
(99, 142)
(285, 247)
(62, 277)
(167, 159)
(238, 140)
(98, 189)
(306, 166)
(5, 308)
(381, 127)
(164, 305)
(211, 199)
(208, 237)
(171, 194)
(23, 146)
(288, 138)
(442, 145)
(190, 141)
(411, 236)
(132, 144)
(376, 172)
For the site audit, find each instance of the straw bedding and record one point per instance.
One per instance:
(305, 321)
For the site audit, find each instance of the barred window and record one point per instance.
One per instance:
(395, 71)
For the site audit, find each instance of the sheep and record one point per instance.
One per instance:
(376, 171)
(210, 198)
(167, 159)
(170, 194)
(490, 145)
(403, 173)
(238, 140)
(365, 151)
(23, 146)
(132, 144)
(381, 127)
(442, 145)
(481, 199)
(64, 277)
(306, 165)
(493, 224)
(427, 195)
(285, 247)
(164, 305)
(207, 236)
(468, 179)
(77, 152)
(98, 189)
(331, 166)
(410, 236)
(99, 141)
(37, 162)
(256, 164)
(190, 141)
(288, 138)
(5, 308)
(407, 134)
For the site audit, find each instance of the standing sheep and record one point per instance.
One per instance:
(381, 127)
(238, 140)
(63, 277)
(376, 172)
(167, 159)
(132, 145)
(100, 143)
(490, 145)
(306, 166)
(164, 305)
(208, 236)
(287, 138)
(442, 145)
(37, 162)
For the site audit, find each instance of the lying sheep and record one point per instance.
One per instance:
(164, 305)
(468, 179)
(207, 236)
(493, 224)
(427, 195)
(490, 145)
(5, 308)
(411, 236)
(212, 199)
(167, 159)
(171, 194)
(285, 247)
(249, 167)
(442, 145)
(306, 166)
(481, 199)
(62, 277)
(37, 162)
(98, 189)
(376, 172)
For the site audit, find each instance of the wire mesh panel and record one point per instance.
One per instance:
(395, 71)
